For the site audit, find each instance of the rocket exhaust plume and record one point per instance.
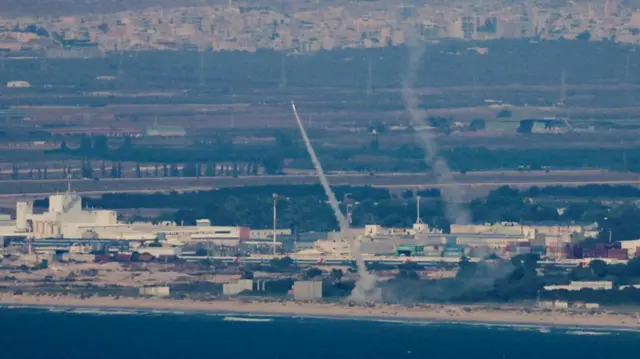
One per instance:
(365, 289)
(452, 193)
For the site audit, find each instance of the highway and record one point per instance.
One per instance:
(482, 181)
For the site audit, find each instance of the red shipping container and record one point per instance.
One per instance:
(622, 254)
(122, 257)
(596, 252)
(245, 233)
(102, 258)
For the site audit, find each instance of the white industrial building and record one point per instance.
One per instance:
(66, 219)
(18, 84)
(578, 286)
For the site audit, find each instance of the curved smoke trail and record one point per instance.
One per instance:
(453, 195)
(365, 289)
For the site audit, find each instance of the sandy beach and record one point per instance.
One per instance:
(448, 313)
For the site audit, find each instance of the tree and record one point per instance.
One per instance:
(633, 267)
(189, 170)
(174, 170)
(85, 145)
(246, 275)
(138, 173)
(477, 124)
(283, 140)
(100, 144)
(504, 113)
(273, 164)
(336, 274)
(312, 273)
(210, 169)
(103, 169)
(598, 268)
(114, 170)
(235, 170)
(126, 144)
(281, 263)
(584, 36)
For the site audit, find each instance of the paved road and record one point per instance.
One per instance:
(483, 180)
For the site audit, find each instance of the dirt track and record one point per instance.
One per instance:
(483, 181)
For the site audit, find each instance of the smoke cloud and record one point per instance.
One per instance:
(452, 193)
(470, 284)
(365, 289)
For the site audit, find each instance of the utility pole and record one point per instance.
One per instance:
(283, 73)
(369, 78)
(275, 220)
(120, 64)
(418, 219)
(563, 88)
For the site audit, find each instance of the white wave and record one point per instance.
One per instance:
(583, 332)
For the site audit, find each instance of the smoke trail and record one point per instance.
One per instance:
(452, 193)
(366, 284)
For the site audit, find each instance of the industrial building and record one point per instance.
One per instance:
(18, 84)
(165, 131)
(577, 286)
(66, 219)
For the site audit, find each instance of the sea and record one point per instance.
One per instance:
(53, 333)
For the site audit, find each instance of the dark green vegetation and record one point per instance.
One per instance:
(497, 280)
(98, 157)
(304, 208)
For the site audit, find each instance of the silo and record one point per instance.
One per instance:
(23, 210)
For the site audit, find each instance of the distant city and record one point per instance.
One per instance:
(306, 28)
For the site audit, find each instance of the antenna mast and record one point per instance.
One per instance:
(283, 73)
(418, 219)
(369, 77)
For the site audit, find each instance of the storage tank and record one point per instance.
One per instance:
(23, 210)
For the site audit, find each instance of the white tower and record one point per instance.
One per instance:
(23, 210)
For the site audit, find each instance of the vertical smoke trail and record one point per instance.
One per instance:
(365, 286)
(453, 194)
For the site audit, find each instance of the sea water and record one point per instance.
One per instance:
(80, 334)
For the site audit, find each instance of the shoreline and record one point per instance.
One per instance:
(458, 314)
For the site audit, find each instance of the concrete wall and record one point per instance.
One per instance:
(237, 287)
(307, 290)
(155, 291)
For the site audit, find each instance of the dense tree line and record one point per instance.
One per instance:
(288, 147)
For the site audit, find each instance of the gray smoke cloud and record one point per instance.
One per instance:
(481, 280)
(453, 194)
(365, 289)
